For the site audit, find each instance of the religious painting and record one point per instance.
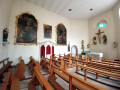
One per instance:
(61, 35)
(26, 29)
(47, 31)
(104, 39)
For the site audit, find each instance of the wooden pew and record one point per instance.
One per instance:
(19, 76)
(12, 81)
(39, 79)
(7, 83)
(112, 61)
(15, 83)
(74, 81)
(46, 63)
(21, 69)
(69, 60)
(31, 64)
(5, 67)
(100, 69)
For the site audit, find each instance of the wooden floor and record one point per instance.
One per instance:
(28, 75)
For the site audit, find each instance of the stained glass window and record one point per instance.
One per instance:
(101, 25)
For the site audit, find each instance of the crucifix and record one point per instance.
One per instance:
(99, 35)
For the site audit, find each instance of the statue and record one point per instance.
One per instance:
(94, 40)
(5, 35)
(99, 35)
(115, 44)
(104, 39)
(82, 42)
(88, 45)
(68, 46)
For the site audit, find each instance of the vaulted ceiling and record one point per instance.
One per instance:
(80, 8)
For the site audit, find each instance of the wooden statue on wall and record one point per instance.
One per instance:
(5, 35)
(82, 42)
(88, 45)
(99, 35)
(68, 46)
(104, 39)
(94, 40)
(115, 44)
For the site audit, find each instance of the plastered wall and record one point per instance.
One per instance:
(107, 49)
(5, 10)
(116, 16)
(44, 17)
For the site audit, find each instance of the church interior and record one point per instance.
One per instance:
(59, 45)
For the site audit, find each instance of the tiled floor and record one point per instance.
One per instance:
(24, 83)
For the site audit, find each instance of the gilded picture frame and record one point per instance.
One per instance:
(26, 29)
(61, 35)
(47, 31)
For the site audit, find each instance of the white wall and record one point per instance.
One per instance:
(116, 14)
(108, 50)
(44, 17)
(5, 9)
(79, 32)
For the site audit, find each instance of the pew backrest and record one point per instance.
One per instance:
(7, 81)
(21, 69)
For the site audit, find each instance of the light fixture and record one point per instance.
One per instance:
(91, 9)
(69, 9)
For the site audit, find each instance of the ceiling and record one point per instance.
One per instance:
(80, 8)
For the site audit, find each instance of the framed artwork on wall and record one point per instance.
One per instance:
(26, 29)
(61, 35)
(47, 31)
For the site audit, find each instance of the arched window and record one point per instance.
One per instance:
(101, 25)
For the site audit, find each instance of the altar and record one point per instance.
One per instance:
(94, 54)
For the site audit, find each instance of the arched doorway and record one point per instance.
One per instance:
(74, 51)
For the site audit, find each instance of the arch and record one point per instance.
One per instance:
(76, 48)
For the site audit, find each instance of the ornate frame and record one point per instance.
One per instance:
(33, 25)
(61, 44)
(49, 32)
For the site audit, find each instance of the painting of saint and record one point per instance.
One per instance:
(26, 31)
(61, 35)
(47, 31)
